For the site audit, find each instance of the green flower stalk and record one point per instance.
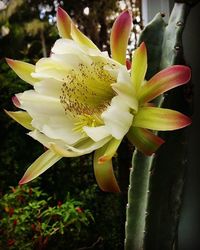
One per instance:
(83, 101)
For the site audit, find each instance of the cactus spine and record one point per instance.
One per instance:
(146, 213)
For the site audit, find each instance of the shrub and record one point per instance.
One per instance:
(30, 218)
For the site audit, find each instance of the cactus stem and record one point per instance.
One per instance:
(137, 196)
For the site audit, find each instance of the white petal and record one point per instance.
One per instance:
(56, 127)
(96, 133)
(49, 68)
(87, 145)
(54, 144)
(32, 101)
(49, 116)
(44, 140)
(117, 118)
(58, 66)
(61, 128)
(66, 46)
(71, 61)
(49, 87)
(83, 147)
(125, 89)
(124, 76)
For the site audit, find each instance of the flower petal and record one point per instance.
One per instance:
(144, 140)
(59, 147)
(117, 118)
(139, 66)
(22, 118)
(72, 48)
(63, 23)
(83, 147)
(49, 68)
(44, 139)
(49, 116)
(65, 46)
(31, 101)
(63, 152)
(15, 101)
(23, 70)
(119, 36)
(166, 79)
(39, 166)
(111, 148)
(125, 89)
(81, 39)
(104, 173)
(49, 87)
(56, 127)
(160, 119)
(96, 133)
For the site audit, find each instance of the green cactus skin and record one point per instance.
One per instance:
(169, 166)
(152, 217)
(137, 205)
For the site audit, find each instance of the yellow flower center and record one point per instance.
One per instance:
(86, 92)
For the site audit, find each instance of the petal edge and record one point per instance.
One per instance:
(160, 119)
(80, 38)
(23, 70)
(139, 66)
(63, 23)
(45, 161)
(119, 36)
(144, 140)
(104, 173)
(163, 81)
(23, 118)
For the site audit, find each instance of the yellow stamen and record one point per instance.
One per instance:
(87, 90)
(87, 120)
(86, 93)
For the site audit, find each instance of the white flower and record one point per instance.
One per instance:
(84, 101)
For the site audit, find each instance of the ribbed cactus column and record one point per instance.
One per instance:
(137, 201)
(164, 46)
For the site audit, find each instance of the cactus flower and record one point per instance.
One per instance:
(83, 101)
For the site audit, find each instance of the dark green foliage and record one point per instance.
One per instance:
(30, 219)
(76, 176)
